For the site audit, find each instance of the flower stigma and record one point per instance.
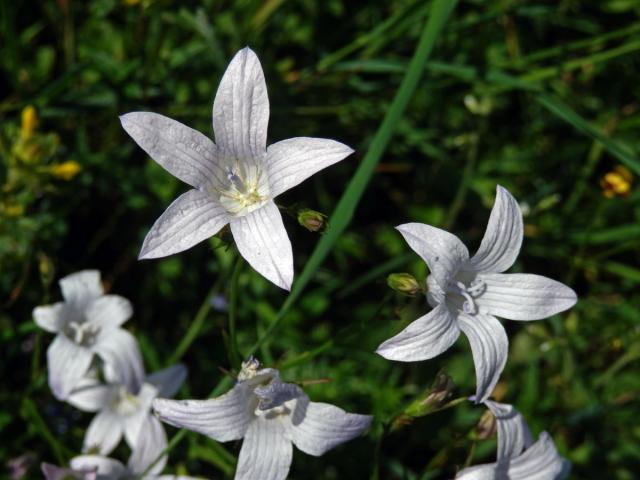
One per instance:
(246, 190)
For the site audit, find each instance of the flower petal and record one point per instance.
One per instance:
(151, 442)
(81, 288)
(241, 108)
(182, 151)
(425, 338)
(104, 433)
(502, 240)
(266, 451)
(109, 311)
(275, 393)
(541, 461)
(442, 251)
(169, 380)
(513, 432)
(318, 427)
(120, 353)
(490, 347)
(107, 467)
(264, 243)
(522, 296)
(90, 395)
(51, 318)
(67, 363)
(223, 418)
(480, 472)
(133, 422)
(192, 217)
(53, 472)
(292, 161)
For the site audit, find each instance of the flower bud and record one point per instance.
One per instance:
(312, 220)
(486, 426)
(432, 399)
(404, 283)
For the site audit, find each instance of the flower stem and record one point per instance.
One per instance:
(234, 354)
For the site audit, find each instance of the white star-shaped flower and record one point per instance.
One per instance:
(518, 458)
(122, 411)
(466, 293)
(270, 416)
(87, 323)
(236, 178)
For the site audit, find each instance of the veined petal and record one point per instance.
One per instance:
(442, 251)
(53, 472)
(241, 108)
(318, 427)
(541, 461)
(109, 311)
(292, 161)
(490, 347)
(264, 243)
(192, 217)
(480, 472)
(266, 451)
(120, 353)
(81, 288)
(134, 422)
(223, 418)
(184, 152)
(67, 362)
(169, 380)
(51, 318)
(522, 296)
(104, 433)
(151, 442)
(502, 240)
(275, 393)
(513, 432)
(107, 467)
(425, 338)
(90, 395)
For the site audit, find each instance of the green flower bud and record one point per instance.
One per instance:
(404, 283)
(312, 220)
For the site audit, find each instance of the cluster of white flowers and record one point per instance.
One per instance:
(96, 365)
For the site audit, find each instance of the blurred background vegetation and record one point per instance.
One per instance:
(541, 97)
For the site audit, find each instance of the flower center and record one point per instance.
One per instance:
(82, 333)
(463, 296)
(125, 403)
(246, 190)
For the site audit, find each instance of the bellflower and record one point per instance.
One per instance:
(270, 416)
(236, 178)
(122, 411)
(87, 323)
(468, 293)
(519, 458)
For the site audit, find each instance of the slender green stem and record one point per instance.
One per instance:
(234, 354)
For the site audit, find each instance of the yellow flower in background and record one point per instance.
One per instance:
(617, 183)
(66, 170)
(29, 122)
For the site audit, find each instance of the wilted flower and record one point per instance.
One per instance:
(466, 293)
(235, 179)
(269, 415)
(87, 323)
(519, 458)
(122, 411)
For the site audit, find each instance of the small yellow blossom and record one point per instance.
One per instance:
(29, 122)
(66, 170)
(15, 210)
(617, 183)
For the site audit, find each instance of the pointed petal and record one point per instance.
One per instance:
(107, 467)
(480, 472)
(134, 422)
(502, 240)
(264, 243)
(223, 418)
(276, 392)
(109, 311)
(522, 296)
(266, 451)
(67, 363)
(182, 151)
(425, 338)
(292, 161)
(513, 432)
(104, 433)
(541, 461)
(169, 380)
(241, 108)
(490, 347)
(151, 442)
(318, 427)
(81, 288)
(443, 252)
(192, 217)
(51, 318)
(120, 353)
(90, 395)
(53, 472)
